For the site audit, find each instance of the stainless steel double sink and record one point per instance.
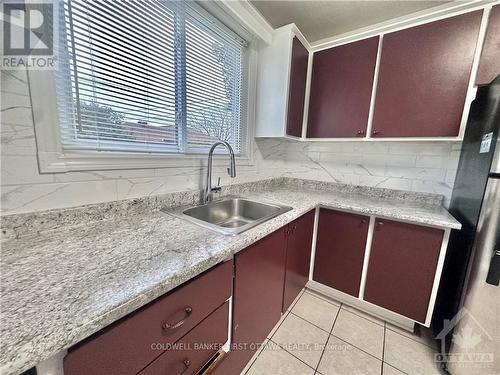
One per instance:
(231, 215)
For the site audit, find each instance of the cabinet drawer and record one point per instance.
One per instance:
(188, 355)
(126, 346)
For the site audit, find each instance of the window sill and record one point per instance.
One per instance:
(54, 162)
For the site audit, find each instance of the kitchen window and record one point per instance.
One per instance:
(149, 77)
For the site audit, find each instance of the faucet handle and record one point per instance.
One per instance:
(217, 188)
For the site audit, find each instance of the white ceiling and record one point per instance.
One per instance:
(322, 19)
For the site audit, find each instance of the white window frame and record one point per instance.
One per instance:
(53, 158)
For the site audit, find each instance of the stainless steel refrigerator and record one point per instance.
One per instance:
(473, 256)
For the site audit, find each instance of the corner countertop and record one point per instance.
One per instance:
(60, 285)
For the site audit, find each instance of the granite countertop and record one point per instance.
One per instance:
(63, 282)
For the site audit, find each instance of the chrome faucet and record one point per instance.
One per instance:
(231, 171)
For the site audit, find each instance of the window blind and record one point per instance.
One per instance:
(149, 76)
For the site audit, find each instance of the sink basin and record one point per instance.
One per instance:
(231, 215)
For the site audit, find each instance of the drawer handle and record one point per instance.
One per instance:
(186, 363)
(376, 132)
(166, 326)
(380, 223)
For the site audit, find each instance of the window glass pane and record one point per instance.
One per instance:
(213, 71)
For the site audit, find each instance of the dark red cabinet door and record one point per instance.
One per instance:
(298, 257)
(402, 266)
(489, 64)
(257, 298)
(297, 89)
(340, 249)
(341, 87)
(423, 78)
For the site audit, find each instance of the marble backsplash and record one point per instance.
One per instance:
(18, 225)
(413, 166)
(427, 167)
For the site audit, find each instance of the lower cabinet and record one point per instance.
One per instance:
(340, 250)
(126, 347)
(298, 257)
(190, 354)
(257, 298)
(268, 276)
(402, 267)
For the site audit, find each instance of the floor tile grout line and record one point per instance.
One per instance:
(276, 328)
(284, 316)
(304, 319)
(297, 299)
(306, 322)
(340, 306)
(328, 338)
(293, 355)
(289, 311)
(259, 353)
(411, 338)
(354, 346)
(364, 317)
(364, 351)
(383, 351)
(333, 326)
(394, 367)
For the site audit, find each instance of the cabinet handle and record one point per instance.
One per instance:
(361, 132)
(363, 221)
(380, 224)
(167, 326)
(186, 364)
(293, 228)
(376, 132)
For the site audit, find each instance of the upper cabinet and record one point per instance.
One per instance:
(414, 83)
(281, 84)
(423, 78)
(297, 89)
(341, 90)
(489, 64)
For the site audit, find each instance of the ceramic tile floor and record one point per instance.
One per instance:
(324, 337)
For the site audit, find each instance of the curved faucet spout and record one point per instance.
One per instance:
(231, 171)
